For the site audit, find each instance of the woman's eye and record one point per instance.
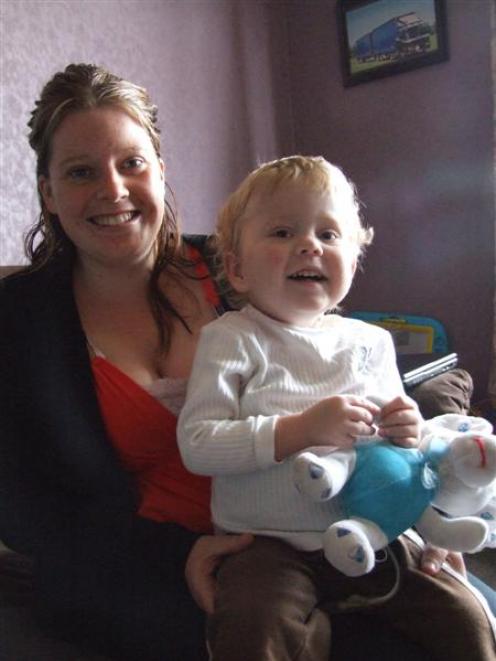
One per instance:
(79, 173)
(135, 163)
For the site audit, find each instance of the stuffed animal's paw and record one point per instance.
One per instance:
(488, 514)
(312, 477)
(347, 547)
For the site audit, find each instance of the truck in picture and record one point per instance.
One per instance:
(401, 36)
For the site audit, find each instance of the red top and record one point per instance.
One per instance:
(202, 272)
(143, 432)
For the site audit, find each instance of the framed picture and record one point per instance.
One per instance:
(383, 37)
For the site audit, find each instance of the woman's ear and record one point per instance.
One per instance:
(46, 193)
(234, 272)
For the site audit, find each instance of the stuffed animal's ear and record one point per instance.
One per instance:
(474, 459)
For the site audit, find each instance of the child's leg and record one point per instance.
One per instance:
(266, 607)
(440, 613)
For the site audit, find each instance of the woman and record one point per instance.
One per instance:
(99, 331)
(98, 336)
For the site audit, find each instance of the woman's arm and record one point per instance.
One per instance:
(56, 466)
(203, 561)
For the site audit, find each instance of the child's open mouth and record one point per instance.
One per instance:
(311, 276)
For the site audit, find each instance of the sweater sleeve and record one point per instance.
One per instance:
(58, 473)
(382, 363)
(214, 437)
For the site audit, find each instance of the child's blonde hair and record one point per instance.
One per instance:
(314, 170)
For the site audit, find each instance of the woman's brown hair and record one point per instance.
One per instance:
(83, 87)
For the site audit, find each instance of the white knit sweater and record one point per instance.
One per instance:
(250, 369)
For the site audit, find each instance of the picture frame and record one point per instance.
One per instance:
(380, 38)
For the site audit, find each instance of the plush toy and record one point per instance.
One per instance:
(385, 489)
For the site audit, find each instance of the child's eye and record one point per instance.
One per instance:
(329, 235)
(281, 233)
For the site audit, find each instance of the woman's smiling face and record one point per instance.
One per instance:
(106, 185)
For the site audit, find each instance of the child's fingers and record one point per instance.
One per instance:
(363, 410)
(360, 428)
(401, 405)
(369, 406)
(408, 442)
(399, 416)
(406, 436)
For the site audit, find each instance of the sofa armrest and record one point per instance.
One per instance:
(449, 392)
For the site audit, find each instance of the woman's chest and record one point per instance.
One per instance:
(133, 344)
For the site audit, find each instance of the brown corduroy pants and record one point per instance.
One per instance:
(275, 603)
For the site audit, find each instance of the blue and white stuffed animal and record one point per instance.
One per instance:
(385, 489)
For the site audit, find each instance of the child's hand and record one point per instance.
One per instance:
(339, 420)
(400, 420)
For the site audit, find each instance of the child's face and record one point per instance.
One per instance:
(298, 253)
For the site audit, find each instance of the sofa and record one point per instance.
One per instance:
(22, 640)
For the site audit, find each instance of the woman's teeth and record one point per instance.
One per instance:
(114, 219)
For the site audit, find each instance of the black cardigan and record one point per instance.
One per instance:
(59, 475)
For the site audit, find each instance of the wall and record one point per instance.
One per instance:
(419, 147)
(205, 63)
(492, 378)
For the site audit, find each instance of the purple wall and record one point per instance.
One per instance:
(419, 147)
(239, 81)
(207, 64)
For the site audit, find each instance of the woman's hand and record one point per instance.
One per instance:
(203, 560)
(433, 558)
(400, 420)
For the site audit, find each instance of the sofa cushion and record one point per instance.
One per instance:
(449, 392)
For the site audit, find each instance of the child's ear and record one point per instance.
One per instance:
(355, 265)
(232, 266)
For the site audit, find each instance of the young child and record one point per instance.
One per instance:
(284, 374)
